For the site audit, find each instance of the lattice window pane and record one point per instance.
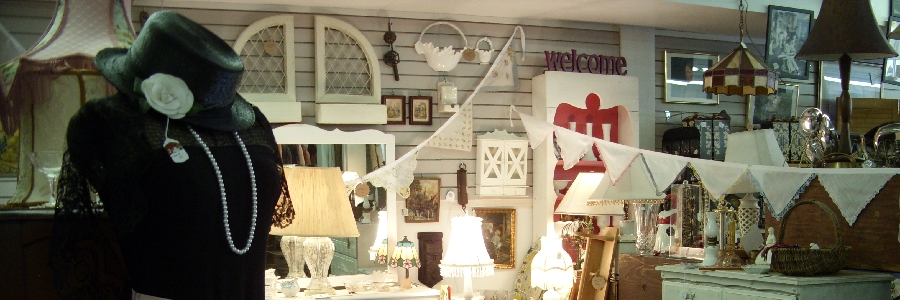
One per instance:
(347, 70)
(264, 66)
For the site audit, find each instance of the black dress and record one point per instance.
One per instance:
(167, 216)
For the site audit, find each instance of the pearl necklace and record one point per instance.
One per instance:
(222, 191)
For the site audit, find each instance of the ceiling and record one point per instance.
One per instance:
(719, 17)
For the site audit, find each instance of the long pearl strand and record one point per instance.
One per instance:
(222, 191)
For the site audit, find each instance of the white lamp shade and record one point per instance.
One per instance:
(552, 267)
(634, 186)
(757, 147)
(380, 235)
(575, 201)
(466, 252)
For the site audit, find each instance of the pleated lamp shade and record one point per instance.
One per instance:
(575, 201)
(466, 252)
(845, 27)
(740, 73)
(320, 202)
(552, 267)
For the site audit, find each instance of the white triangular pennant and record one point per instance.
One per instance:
(717, 176)
(852, 192)
(664, 168)
(616, 157)
(780, 186)
(538, 131)
(572, 146)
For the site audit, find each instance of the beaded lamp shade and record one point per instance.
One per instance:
(740, 73)
(466, 254)
(405, 256)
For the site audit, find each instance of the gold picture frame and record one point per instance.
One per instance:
(498, 228)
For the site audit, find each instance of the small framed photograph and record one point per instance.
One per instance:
(684, 77)
(787, 30)
(420, 110)
(895, 9)
(865, 82)
(780, 106)
(424, 202)
(396, 109)
(892, 64)
(498, 228)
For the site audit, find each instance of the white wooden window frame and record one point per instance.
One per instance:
(372, 60)
(278, 107)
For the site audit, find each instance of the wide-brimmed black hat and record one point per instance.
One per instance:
(172, 44)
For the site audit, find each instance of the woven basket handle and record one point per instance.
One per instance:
(465, 41)
(834, 220)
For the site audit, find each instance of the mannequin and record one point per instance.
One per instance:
(187, 171)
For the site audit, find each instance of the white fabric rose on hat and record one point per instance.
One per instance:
(168, 95)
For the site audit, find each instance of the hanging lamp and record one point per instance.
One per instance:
(741, 73)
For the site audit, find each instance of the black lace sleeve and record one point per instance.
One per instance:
(83, 254)
(284, 209)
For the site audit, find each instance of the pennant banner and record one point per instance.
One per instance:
(852, 193)
(780, 187)
(616, 157)
(663, 168)
(716, 176)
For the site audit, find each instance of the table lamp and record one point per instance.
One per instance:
(845, 30)
(405, 256)
(552, 268)
(635, 189)
(378, 251)
(466, 255)
(322, 211)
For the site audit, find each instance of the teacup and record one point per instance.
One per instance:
(288, 287)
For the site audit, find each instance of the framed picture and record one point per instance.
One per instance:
(424, 201)
(498, 228)
(865, 82)
(396, 110)
(787, 30)
(420, 110)
(895, 9)
(892, 64)
(780, 106)
(684, 77)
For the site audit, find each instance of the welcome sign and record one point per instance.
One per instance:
(585, 63)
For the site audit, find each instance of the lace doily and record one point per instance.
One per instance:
(851, 193)
(456, 134)
(395, 177)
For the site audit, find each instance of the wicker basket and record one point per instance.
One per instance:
(810, 262)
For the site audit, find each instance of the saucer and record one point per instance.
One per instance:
(756, 269)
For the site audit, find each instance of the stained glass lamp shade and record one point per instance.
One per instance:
(405, 256)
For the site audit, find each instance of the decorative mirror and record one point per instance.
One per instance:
(360, 152)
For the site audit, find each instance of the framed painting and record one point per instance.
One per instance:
(892, 64)
(787, 30)
(684, 77)
(895, 9)
(396, 109)
(865, 82)
(498, 228)
(424, 202)
(780, 106)
(420, 110)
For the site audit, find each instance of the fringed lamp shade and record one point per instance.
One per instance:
(552, 268)
(466, 255)
(405, 256)
(740, 73)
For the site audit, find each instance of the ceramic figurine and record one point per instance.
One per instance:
(711, 231)
(770, 241)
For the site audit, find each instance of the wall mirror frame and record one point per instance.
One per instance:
(305, 134)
